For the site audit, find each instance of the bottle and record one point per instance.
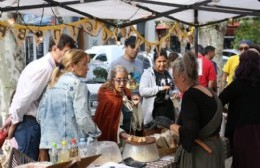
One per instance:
(82, 147)
(73, 148)
(64, 153)
(54, 154)
(128, 84)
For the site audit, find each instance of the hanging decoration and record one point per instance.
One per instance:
(139, 41)
(94, 27)
(148, 47)
(20, 35)
(123, 32)
(3, 30)
(106, 35)
(39, 36)
(56, 34)
(73, 32)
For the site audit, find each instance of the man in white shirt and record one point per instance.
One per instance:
(31, 84)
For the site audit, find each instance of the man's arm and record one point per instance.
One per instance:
(24, 99)
(212, 77)
(224, 80)
(212, 84)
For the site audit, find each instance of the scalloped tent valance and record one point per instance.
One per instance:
(192, 12)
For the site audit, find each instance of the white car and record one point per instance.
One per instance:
(228, 53)
(106, 53)
(96, 76)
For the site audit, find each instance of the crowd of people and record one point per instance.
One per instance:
(51, 102)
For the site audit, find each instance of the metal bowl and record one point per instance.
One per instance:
(143, 152)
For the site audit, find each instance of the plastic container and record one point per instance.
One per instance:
(73, 148)
(64, 154)
(54, 154)
(109, 150)
(82, 147)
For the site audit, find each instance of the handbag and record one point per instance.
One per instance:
(3, 136)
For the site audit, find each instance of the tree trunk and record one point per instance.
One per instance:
(12, 63)
(214, 35)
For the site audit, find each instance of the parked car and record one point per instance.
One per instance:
(106, 53)
(93, 51)
(96, 76)
(228, 53)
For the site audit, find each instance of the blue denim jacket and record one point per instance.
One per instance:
(64, 113)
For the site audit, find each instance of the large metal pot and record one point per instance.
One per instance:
(143, 152)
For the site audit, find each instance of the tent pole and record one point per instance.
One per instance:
(196, 36)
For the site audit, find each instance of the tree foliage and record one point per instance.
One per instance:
(248, 29)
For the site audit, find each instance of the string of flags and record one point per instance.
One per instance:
(93, 28)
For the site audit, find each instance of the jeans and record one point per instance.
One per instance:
(27, 135)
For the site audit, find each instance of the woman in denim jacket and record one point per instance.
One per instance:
(63, 111)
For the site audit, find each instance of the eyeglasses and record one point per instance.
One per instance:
(119, 81)
(243, 48)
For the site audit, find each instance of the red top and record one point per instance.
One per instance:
(107, 116)
(208, 71)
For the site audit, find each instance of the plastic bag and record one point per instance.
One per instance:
(3, 135)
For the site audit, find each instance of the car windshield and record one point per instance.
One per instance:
(97, 72)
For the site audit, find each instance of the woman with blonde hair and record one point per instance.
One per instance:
(109, 116)
(63, 111)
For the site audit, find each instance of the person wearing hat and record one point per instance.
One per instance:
(135, 69)
(232, 63)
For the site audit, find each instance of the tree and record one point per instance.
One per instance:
(214, 35)
(100, 73)
(12, 63)
(249, 29)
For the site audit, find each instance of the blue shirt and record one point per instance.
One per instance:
(64, 114)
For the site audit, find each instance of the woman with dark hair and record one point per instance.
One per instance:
(155, 84)
(199, 120)
(243, 122)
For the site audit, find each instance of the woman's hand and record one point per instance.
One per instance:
(175, 129)
(136, 99)
(177, 96)
(11, 131)
(166, 88)
(124, 135)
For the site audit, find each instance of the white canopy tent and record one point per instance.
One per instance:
(196, 13)
(191, 12)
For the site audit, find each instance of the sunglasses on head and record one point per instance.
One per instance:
(243, 48)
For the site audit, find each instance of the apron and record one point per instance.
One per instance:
(198, 157)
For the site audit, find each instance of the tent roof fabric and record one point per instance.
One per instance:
(192, 12)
